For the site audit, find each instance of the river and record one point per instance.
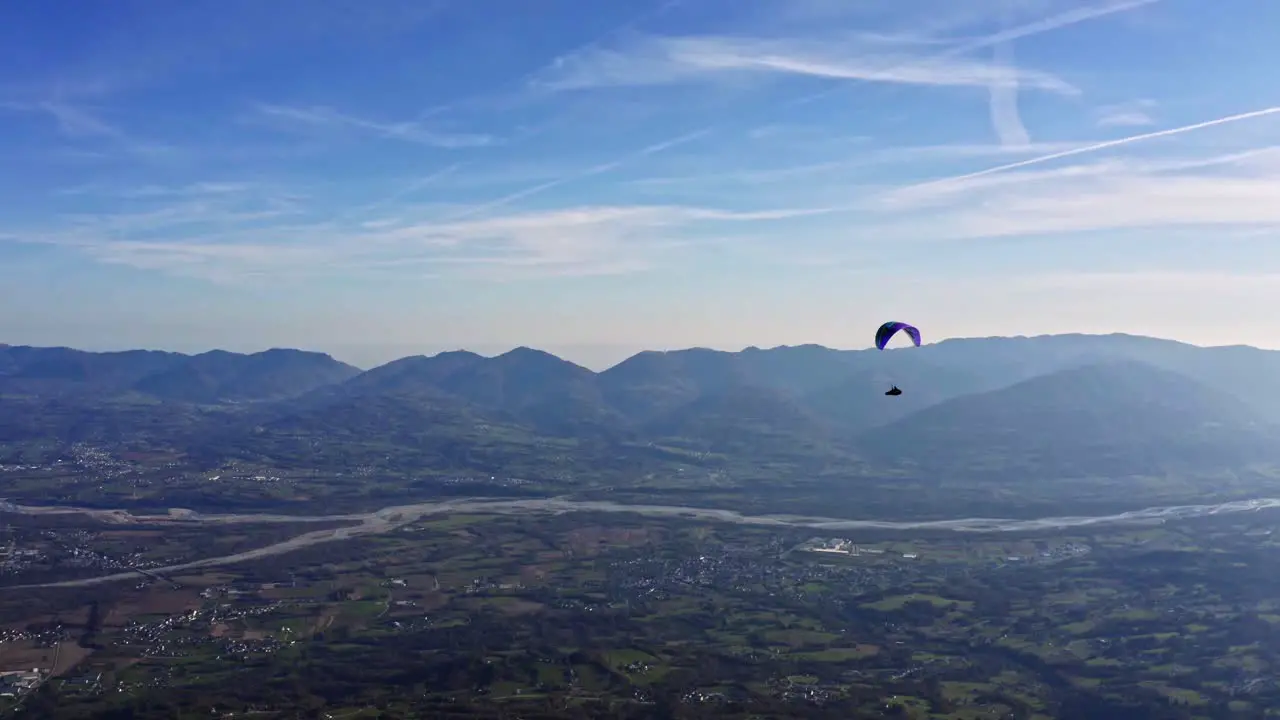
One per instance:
(390, 518)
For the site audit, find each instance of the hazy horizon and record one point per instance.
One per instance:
(614, 177)
(594, 357)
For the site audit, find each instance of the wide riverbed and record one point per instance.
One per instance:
(390, 518)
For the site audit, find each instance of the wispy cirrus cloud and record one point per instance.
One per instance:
(959, 182)
(195, 189)
(1260, 162)
(1005, 117)
(80, 123)
(1116, 200)
(1187, 283)
(1222, 190)
(583, 240)
(1071, 16)
(1136, 113)
(174, 220)
(655, 60)
(200, 39)
(574, 241)
(590, 171)
(71, 120)
(319, 118)
(894, 58)
(228, 242)
(610, 139)
(235, 243)
(403, 192)
(862, 56)
(900, 157)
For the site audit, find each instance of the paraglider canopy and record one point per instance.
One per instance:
(885, 333)
(889, 329)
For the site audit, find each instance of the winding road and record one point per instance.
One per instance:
(390, 518)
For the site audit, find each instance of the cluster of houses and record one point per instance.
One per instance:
(19, 682)
(848, 547)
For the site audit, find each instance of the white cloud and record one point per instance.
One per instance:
(921, 21)
(870, 158)
(865, 56)
(185, 216)
(1119, 202)
(1233, 190)
(672, 60)
(587, 240)
(195, 189)
(1131, 114)
(1197, 283)
(1005, 117)
(407, 190)
(320, 118)
(653, 60)
(1200, 306)
(583, 173)
(580, 240)
(958, 183)
(659, 60)
(74, 121)
(1134, 118)
(78, 123)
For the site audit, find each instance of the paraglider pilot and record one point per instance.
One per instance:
(887, 331)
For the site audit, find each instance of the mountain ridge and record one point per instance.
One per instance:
(805, 405)
(646, 384)
(1119, 417)
(208, 377)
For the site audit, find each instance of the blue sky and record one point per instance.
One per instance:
(380, 179)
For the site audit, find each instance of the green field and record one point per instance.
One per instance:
(626, 617)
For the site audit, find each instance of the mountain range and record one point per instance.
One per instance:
(1061, 405)
(214, 376)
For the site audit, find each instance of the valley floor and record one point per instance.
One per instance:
(619, 614)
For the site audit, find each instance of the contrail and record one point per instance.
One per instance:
(593, 170)
(1005, 118)
(1055, 22)
(412, 187)
(1096, 147)
(1049, 24)
(1061, 20)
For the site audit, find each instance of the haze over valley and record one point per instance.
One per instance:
(1102, 423)
(645, 360)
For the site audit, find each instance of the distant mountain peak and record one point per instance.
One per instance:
(525, 352)
(455, 354)
(532, 358)
(292, 352)
(1116, 416)
(1032, 408)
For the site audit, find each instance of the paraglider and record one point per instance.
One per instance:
(887, 331)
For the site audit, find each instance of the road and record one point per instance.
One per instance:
(390, 518)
